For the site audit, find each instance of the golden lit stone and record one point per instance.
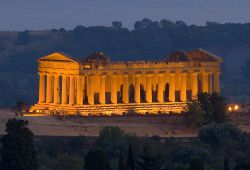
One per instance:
(95, 85)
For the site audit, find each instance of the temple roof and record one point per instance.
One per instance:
(194, 55)
(178, 56)
(58, 56)
(97, 57)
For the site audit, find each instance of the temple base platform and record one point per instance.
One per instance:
(108, 109)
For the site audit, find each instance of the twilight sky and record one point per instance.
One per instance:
(47, 14)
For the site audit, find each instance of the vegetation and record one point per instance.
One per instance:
(205, 110)
(218, 146)
(194, 115)
(96, 160)
(18, 151)
(196, 164)
(245, 69)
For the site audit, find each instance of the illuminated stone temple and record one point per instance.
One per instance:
(98, 86)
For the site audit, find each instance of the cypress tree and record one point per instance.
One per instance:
(226, 164)
(130, 160)
(18, 151)
(196, 164)
(121, 162)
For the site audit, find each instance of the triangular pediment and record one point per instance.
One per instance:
(203, 56)
(57, 57)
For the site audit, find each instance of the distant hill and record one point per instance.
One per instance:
(46, 14)
(148, 40)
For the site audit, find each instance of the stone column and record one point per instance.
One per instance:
(172, 87)
(183, 95)
(204, 82)
(149, 88)
(194, 82)
(84, 88)
(64, 90)
(160, 88)
(125, 89)
(49, 89)
(56, 89)
(90, 87)
(137, 90)
(102, 96)
(79, 91)
(41, 88)
(72, 90)
(210, 83)
(114, 89)
(217, 82)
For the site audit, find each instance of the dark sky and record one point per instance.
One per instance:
(47, 14)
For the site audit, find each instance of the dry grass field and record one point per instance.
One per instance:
(164, 126)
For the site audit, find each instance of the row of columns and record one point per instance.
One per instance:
(67, 94)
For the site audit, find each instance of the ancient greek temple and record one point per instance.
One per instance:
(95, 85)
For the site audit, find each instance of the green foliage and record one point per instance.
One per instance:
(20, 107)
(226, 164)
(218, 108)
(215, 107)
(130, 160)
(18, 151)
(117, 24)
(184, 154)
(179, 167)
(62, 30)
(66, 162)
(71, 145)
(96, 160)
(219, 135)
(194, 116)
(111, 139)
(242, 166)
(23, 38)
(61, 162)
(196, 164)
(206, 109)
(121, 162)
(149, 162)
(245, 69)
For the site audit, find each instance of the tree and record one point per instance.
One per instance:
(219, 135)
(20, 107)
(117, 24)
(148, 162)
(62, 30)
(242, 166)
(245, 69)
(145, 24)
(111, 139)
(194, 116)
(218, 108)
(130, 161)
(166, 23)
(23, 38)
(18, 151)
(214, 106)
(96, 160)
(121, 162)
(196, 164)
(226, 164)
(203, 99)
(66, 162)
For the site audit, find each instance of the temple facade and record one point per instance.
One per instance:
(96, 85)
